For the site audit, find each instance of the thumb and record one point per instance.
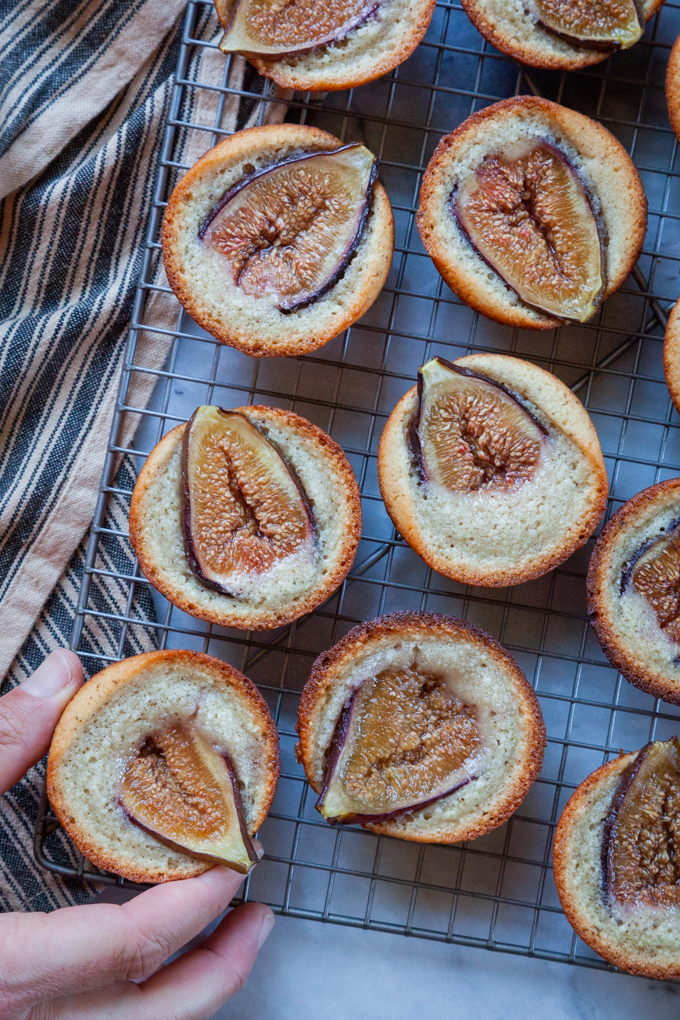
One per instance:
(30, 712)
(198, 983)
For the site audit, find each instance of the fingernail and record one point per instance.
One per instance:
(52, 677)
(267, 925)
(258, 848)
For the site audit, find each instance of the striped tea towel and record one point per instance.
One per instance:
(82, 110)
(24, 885)
(69, 256)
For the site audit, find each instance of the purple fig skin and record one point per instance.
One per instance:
(335, 749)
(240, 813)
(601, 233)
(625, 783)
(470, 374)
(185, 514)
(336, 746)
(386, 816)
(185, 517)
(627, 572)
(360, 19)
(177, 847)
(288, 309)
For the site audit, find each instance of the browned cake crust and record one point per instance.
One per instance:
(618, 185)
(671, 347)
(540, 48)
(522, 772)
(269, 332)
(352, 66)
(611, 549)
(223, 610)
(673, 87)
(548, 393)
(91, 698)
(576, 838)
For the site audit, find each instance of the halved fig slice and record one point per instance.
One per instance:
(403, 741)
(641, 844)
(269, 28)
(471, 433)
(655, 574)
(243, 510)
(287, 233)
(526, 211)
(185, 793)
(601, 24)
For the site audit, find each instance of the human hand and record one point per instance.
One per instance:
(102, 960)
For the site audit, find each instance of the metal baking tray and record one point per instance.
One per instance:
(498, 891)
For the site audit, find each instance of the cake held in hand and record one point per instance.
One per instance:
(315, 46)
(491, 470)
(532, 213)
(163, 765)
(278, 239)
(634, 590)
(247, 518)
(616, 864)
(419, 726)
(559, 34)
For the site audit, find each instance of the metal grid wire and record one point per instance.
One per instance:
(498, 891)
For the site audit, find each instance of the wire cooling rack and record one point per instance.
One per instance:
(498, 891)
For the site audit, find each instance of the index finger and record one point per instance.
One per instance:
(81, 948)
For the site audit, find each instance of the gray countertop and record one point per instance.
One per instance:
(307, 970)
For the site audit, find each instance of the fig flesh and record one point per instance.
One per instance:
(527, 213)
(181, 790)
(641, 841)
(287, 233)
(655, 574)
(403, 741)
(268, 28)
(471, 433)
(599, 24)
(243, 510)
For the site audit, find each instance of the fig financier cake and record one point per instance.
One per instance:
(163, 765)
(633, 591)
(278, 239)
(324, 47)
(246, 518)
(557, 35)
(671, 354)
(532, 213)
(491, 470)
(420, 726)
(615, 861)
(673, 87)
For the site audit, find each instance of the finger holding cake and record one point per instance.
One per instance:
(163, 765)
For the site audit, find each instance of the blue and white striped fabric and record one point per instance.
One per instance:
(84, 90)
(64, 62)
